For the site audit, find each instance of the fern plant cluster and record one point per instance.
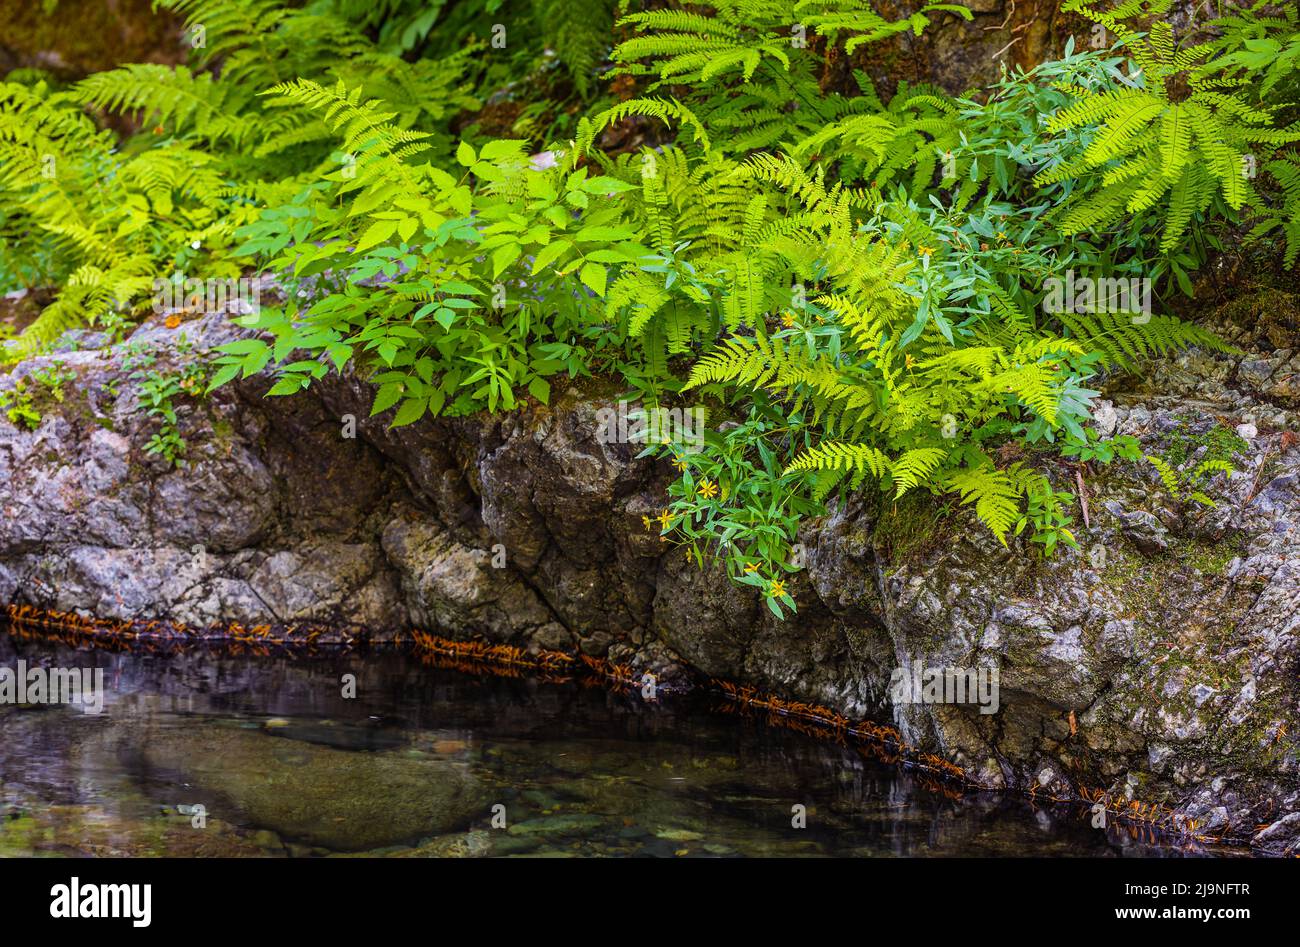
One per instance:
(855, 283)
(100, 219)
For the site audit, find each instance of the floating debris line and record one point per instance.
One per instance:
(1153, 822)
(169, 636)
(511, 660)
(817, 720)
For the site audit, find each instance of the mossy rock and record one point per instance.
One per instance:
(71, 38)
(343, 801)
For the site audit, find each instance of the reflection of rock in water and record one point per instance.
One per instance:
(345, 801)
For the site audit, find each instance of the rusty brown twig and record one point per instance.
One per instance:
(1003, 25)
(1083, 497)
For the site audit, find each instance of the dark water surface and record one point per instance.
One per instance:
(418, 762)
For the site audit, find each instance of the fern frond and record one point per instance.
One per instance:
(996, 499)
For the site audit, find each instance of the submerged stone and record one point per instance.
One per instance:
(318, 795)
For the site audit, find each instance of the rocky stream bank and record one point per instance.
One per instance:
(1158, 663)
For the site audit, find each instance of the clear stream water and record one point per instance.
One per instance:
(421, 759)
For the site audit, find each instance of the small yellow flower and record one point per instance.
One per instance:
(708, 489)
(665, 440)
(665, 521)
(172, 321)
(1001, 235)
(777, 589)
(787, 320)
(752, 567)
(679, 462)
(648, 521)
(924, 250)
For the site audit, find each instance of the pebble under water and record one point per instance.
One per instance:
(420, 761)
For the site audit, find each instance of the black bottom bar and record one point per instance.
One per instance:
(498, 897)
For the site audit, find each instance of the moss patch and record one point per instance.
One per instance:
(1273, 314)
(1210, 559)
(1218, 442)
(909, 527)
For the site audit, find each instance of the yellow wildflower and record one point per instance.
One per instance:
(708, 489)
(777, 589)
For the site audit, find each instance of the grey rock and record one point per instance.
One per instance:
(1145, 531)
